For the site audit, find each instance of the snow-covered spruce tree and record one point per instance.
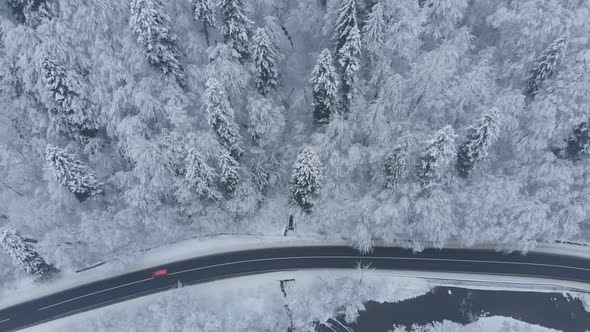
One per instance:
(71, 173)
(375, 28)
(72, 109)
(479, 138)
(395, 166)
(348, 48)
(24, 254)
(265, 62)
(220, 116)
(237, 27)
(436, 157)
(578, 142)
(229, 172)
(306, 179)
(545, 66)
(324, 83)
(204, 11)
(153, 27)
(201, 177)
(30, 12)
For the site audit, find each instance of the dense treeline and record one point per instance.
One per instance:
(145, 122)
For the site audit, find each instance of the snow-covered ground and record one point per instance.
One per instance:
(253, 303)
(486, 324)
(256, 303)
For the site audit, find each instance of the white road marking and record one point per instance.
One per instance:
(329, 257)
(378, 257)
(5, 320)
(97, 292)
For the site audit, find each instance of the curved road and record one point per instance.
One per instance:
(233, 264)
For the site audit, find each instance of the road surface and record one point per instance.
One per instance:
(234, 264)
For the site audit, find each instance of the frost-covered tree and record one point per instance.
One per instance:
(204, 11)
(436, 157)
(265, 121)
(200, 177)
(578, 142)
(67, 100)
(30, 12)
(306, 179)
(348, 48)
(237, 27)
(324, 83)
(477, 142)
(24, 254)
(395, 166)
(71, 173)
(265, 61)
(544, 66)
(375, 28)
(229, 172)
(220, 117)
(152, 25)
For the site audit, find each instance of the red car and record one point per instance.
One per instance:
(160, 273)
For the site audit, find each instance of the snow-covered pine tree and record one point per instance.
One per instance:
(71, 112)
(220, 116)
(229, 172)
(545, 66)
(348, 48)
(24, 254)
(152, 24)
(324, 82)
(375, 28)
(306, 179)
(237, 27)
(265, 62)
(204, 11)
(479, 138)
(201, 177)
(30, 12)
(395, 166)
(71, 173)
(578, 142)
(436, 157)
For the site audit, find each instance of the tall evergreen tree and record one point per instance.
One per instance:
(265, 62)
(201, 177)
(306, 179)
(204, 11)
(237, 27)
(479, 138)
(71, 173)
(545, 66)
(578, 142)
(348, 48)
(152, 24)
(24, 254)
(68, 103)
(375, 28)
(229, 176)
(324, 81)
(220, 116)
(436, 157)
(395, 166)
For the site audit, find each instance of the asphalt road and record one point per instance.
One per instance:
(233, 264)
